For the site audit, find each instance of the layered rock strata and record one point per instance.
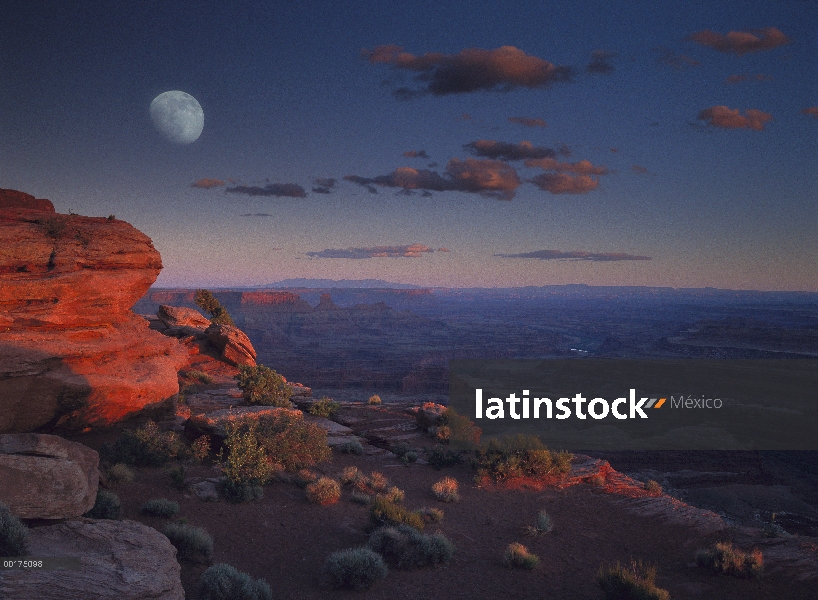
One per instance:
(72, 354)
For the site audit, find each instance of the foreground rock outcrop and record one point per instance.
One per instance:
(47, 477)
(124, 560)
(72, 354)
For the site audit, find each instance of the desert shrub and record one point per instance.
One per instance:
(146, 446)
(192, 543)
(438, 457)
(304, 477)
(324, 407)
(517, 456)
(161, 507)
(351, 447)
(13, 534)
(410, 457)
(118, 473)
(224, 582)
(445, 490)
(598, 480)
(350, 474)
(262, 386)
(383, 512)
(239, 492)
(355, 568)
(200, 448)
(208, 303)
(374, 399)
(634, 582)
(106, 506)
(517, 556)
(177, 476)
(54, 226)
(406, 548)
(544, 523)
(461, 432)
(431, 515)
(257, 447)
(324, 491)
(378, 481)
(394, 494)
(725, 558)
(653, 487)
(199, 376)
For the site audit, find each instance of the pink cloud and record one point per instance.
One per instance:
(741, 42)
(410, 251)
(583, 167)
(812, 111)
(470, 70)
(560, 183)
(207, 183)
(528, 121)
(731, 118)
(508, 151)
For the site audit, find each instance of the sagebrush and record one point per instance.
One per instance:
(633, 582)
(13, 534)
(355, 568)
(262, 386)
(224, 582)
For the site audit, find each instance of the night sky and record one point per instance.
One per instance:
(660, 143)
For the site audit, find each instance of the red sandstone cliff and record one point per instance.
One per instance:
(72, 354)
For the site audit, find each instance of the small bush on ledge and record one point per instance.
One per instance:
(161, 507)
(354, 568)
(106, 506)
(725, 558)
(13, 534)
(635, 582)
(517, 556)
(519, 456)
(208, 303)
(374, 400)
(324, 491)
(325, 407)
(262, 386)
(224, 582)
(146, 446)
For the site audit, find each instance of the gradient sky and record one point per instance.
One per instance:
(661, 148)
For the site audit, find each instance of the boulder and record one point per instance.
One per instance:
(178, 316)
(72, 353)
(121, 560)
(233, 343)
(215, 423)
(47, 477)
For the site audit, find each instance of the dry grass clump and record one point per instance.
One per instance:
(118, 474)
(393, 494)
(725, 558)
(324, 491)
(374, 400)
(192, 543)
(544, 525)
(634, 582)
(653, 486)
(383, 512)
(445, 490)
(517, 556)
(350, 475)
(200, 376)
(431, 515)
(406, 548)
(354, 568)
(200, 448)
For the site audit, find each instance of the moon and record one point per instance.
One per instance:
(177, 116)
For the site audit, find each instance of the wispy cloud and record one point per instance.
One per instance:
(416, 154)
(290, 190)
(601, 62)
(812, 111)
(528, 121)
(639, 170)
(576, 255)
(672, 59)
(324, 185)
(733, 79)
(487, 177)
(208, 183)
(410, 251)
(257, 215)
(470, 70)
(582, 167)
(731, 118)
(741, 42)
(508, 151)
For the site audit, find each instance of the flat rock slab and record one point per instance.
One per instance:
(331, 427)
(47, 477)
(120, 560)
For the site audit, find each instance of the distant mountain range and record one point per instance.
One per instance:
(340, 283)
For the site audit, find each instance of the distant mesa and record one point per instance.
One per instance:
(341, 283)
(73, 355)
